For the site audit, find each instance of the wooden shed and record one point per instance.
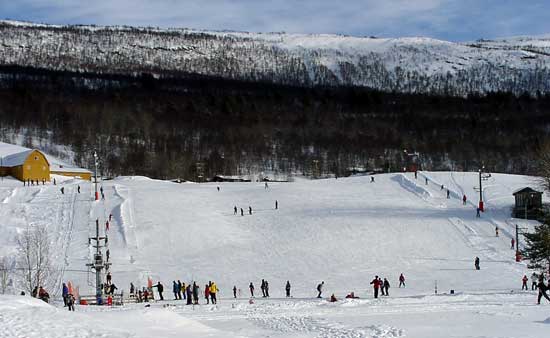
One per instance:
(528, 203)
(26, 165)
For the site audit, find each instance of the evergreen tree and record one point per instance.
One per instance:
(537, 245)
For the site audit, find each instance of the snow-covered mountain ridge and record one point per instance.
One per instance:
(412, 65)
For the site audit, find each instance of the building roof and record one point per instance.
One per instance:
(526, 190)
(59, 168)
(18, 158)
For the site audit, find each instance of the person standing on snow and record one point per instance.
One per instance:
(524, 283)
(249, 210)
(195, 293)
(476, 263)
(70, 302)
(464, 200)
(448, 194)
(320, 289)
(401, 280)
(496, 231)
(386, 286)
(65, 293)
(276, 204)
(189, 292)
(235, 291)
(179, 289)
(234, 210)
(512, 243)
(287, 288)
(262, 286)
(382, 289)
(175, 289)
(534, 278)
(183, 290)
(78, 189)
(251, 287)
(207, 293)
(376, 285)
(242, 212)
(213, 292)
(542, 289)
(160, 289)
(266, 289)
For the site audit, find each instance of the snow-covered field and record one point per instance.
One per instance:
(341, 231)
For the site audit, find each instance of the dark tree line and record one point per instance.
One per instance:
(191, 125)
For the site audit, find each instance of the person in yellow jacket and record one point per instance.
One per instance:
(213, 291)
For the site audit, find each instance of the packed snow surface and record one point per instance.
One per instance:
(341, 231)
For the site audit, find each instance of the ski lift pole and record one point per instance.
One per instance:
(480, 193)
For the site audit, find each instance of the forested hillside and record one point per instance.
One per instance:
(167, 128)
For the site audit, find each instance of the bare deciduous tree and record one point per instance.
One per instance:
(4, 274)
(34, 260)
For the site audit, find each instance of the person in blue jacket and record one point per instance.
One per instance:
(65, 294)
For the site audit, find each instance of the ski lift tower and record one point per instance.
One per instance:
(483, 176)
(95, 175)
(98, 264)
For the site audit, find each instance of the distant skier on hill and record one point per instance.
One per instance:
(276, 204)
(524, 283)
(386, 286)
(426, 181)
(448, 193)
(235, 291)
(512, 243)
(372, 179)
(476, 263)
(401, 280)
(78, 189)
(262, 287)
(320, 289)
(464, 199)
(496, 231)
(234, 210)
(249, 210)
(242, 212)
(251, 287)
(266, 289)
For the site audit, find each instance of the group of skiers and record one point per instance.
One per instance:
(189, 292)
(537, 283)
(30, 182)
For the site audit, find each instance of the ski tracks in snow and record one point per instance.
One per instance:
(270, 317)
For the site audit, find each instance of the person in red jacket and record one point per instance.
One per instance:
(207, 293)
(376, 285)
(401, 280)
(524, 285)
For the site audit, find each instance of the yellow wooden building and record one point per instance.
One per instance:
(34, 165)
(26, 165)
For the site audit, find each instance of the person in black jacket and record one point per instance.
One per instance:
(160, 289)
(287, 288)
(386, 286)
(251, 287)
(542, 290)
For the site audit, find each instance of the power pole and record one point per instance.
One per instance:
(95, 175)
(98, 264)
(483, 176)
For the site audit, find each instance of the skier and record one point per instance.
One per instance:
(386, 286)
(372, 179)
(442, 187)
(266, 289)
(534, 278)
(476, 263)
(251, 287)
(108, 254)
(109, 277)
(276, 204)
(207, 293)
(320, 289)
(78, 189)
(112, 289)
(195, 293)
(266, 186)
(132, 288)
(107, 225)
(179, 289)
(415, 174)
(242, 212)
(262, 286)
(213, 291)
(160, 289)
(54, 182)
(376, 285)
(175, 289)
(234, 210)
(464, 199)
(70, 301)
(62, 190)
(496, 231)
(524, 283)
(426, 181)
(382, 289)
(448, 194)
(249, 210)
(542, 289)
(218, 187)
(477, 212)
(235, 291)
(183, 288)
(401, 280)
(287, 288)
(189, 295)
(512, 243)
(65, 293)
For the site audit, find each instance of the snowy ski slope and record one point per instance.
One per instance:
(341, 231)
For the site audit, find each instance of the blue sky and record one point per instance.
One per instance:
(459, 20)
